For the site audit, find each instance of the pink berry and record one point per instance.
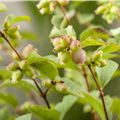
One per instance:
(78, 57)
(75, 45)
(56, 41)
(65, 40)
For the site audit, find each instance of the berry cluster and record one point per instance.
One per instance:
(109, 11)
(21, 67)
(47, 6)
(96, 60)
(67, 47)
(11, 30)
(58, 85)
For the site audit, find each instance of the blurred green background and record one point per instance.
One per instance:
(41, 25)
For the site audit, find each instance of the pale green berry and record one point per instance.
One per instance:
(58, 48)
(29, 72)
(15, 56)
(71, 38)
(44, 10)
(42, 4)
(88, 61)
(53, 5)
(13, 28)
(75, 45)
(64, 57)
(16, 76)
(56, 41)
(97, 56)
(114, 10)
(103, 63)
(12, 66)
(101, 9)
(47, 83)
(60, 87)
(24, 106)
(15, 35)
(65, 41)
(6, 24)
(23, 64)
(63, 2)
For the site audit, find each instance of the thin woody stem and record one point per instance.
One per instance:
(68, 21)
(42, 94)
(101, 92)
(2, 35)
(88, 87)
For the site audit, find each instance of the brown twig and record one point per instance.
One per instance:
(68, 21)
(42, 94)
(88, 87)
(101, 92)
(2, 35)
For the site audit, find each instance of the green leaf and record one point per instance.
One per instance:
(28, 35)
(74, 4)
(3, 7)
(14, 19)
(46, 68)
(108, 49)
(74, 88)
(4, 113)
(98, 32)
(59, 21)
(34, 57)
(69, 30)
(54, 33)
(115, 31)
(24, 117)
(9, 99)
(118, 117)
(109, 56)
(105, 73)
(97, 105)
(26, 85)
(44, 114)
(108, 101)
(115, 108)
(85, 18)
(1, 58)
(4, 74)
(91, 41)
(67, 102)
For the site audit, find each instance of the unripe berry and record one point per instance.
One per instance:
(13, 28)
(24, 106)
(47, 83)
(97, 56)
(42, 4)
(16, 76)
(12, 66)
(44, 10)
(65, 40)
(15, 56)
(103, 63)
(114, 10)
(71, 38)
(53, 5)
(23, 64)
(88, 61)
(56, 41)
(29, 72)
(28, 49)
(101, 10)
(58, 48)
(63, 2)
(61, 87)
(75, 45)
(6, 24)
(64, 57)
(78, 57)
(15, 35)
